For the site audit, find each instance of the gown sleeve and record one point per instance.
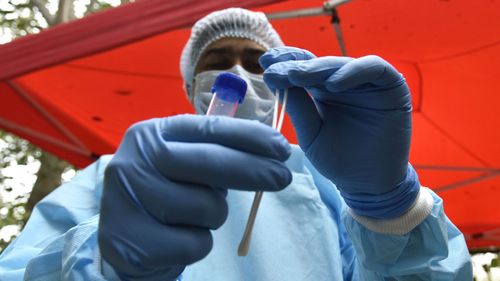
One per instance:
(422, 244)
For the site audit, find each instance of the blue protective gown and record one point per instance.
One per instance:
(304, 232)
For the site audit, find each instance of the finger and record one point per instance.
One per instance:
(277, 76)
(246, 135)
(168, 201)
(300, 107)
(302, 73)
(220, 166)
(304, 115)
(280, 54)
(316, 71)
(171, 202)
(155, 245)
(368, 69)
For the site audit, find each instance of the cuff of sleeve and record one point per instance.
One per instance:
(404, 223)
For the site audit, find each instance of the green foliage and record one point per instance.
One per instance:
(494, 262)
(18, 18)
(12, 214)
(485, 266)
(13, 152)
(95, 6)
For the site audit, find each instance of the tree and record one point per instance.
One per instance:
(19, 18)
(14, 152)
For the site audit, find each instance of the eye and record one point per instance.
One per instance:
(218, 65)
(253, 67)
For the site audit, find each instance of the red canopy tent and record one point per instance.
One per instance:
(75, 88)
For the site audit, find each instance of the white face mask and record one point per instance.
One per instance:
(257, 105)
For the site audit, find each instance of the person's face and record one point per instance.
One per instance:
(227, 52)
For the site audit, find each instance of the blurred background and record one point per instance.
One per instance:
(28, 173)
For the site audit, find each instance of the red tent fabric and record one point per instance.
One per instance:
(75, 88)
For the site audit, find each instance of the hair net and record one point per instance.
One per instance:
(232, 22)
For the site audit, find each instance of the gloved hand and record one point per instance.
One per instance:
(355, 126)
(164, 189)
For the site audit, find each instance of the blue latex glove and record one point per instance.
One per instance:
(164, 189)
(355, 126)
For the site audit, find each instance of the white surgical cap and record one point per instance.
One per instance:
(232, 22)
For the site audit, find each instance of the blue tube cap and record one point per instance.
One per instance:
(230, 87)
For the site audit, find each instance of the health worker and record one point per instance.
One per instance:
(172, 202)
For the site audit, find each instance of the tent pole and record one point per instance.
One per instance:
(14, 127)
(467, 181)
(456, 168)
(38, 107)
(327, 8)
(338, 31)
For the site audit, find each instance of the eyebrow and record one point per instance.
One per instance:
(253, 51)
(218, 51)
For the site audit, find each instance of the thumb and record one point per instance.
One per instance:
(300, 106)
(304, 115)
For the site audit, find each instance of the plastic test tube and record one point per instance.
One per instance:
(228, 92)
